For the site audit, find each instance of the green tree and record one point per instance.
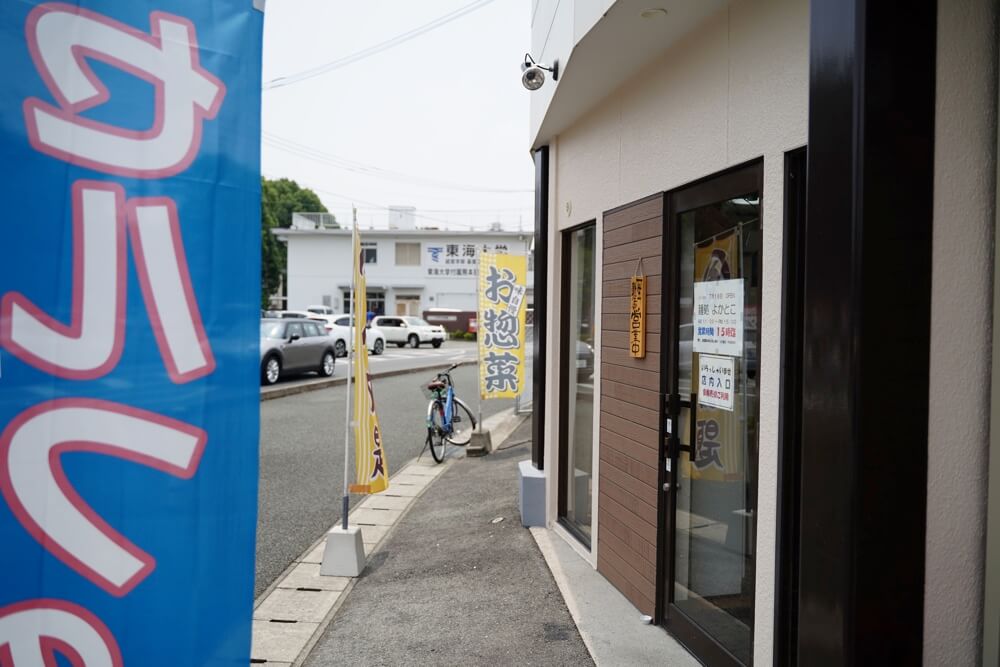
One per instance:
(283, 197)
(279, 199)
(272, 258)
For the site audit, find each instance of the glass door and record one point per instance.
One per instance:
(712, 336)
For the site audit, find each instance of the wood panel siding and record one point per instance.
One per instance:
(628, 479)
(622, 286)
(632, 394)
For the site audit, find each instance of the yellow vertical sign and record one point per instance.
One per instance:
(370, 467)
(502, 304)
(637, 318)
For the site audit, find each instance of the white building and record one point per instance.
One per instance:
(408, 270)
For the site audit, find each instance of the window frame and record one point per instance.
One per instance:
(369, 252)
(565, 367)
(409, 245)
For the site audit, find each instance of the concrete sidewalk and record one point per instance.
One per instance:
(453, 578)
(457, 581)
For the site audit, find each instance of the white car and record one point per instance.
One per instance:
(320, 310)
(409, 330)
(340, 335)
(341, 330)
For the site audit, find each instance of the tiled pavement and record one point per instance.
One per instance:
(289, 617)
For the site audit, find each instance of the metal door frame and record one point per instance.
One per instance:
(732, 182)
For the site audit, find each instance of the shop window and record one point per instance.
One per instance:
(407, 254)
(576, 444)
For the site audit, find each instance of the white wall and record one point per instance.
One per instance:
(733, 90)
(310, 260)
(961, 301)
(321, 263)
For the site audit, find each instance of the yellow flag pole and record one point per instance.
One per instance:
(350, 364)
(479, 340)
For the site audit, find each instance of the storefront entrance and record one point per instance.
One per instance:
(712, 258)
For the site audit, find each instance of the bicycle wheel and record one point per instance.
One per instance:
(435, 432)
(462, 425)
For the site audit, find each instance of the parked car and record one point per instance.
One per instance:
(340, 335)
(342, 327)
(320, 310)
(409, 330)
(290, 345)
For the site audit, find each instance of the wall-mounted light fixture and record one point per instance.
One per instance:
(533, 75)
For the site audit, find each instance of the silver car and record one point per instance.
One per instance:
(290, 346)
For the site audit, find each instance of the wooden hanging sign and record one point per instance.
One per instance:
(637, 317)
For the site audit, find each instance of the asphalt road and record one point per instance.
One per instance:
(302, 458)
(458, 582)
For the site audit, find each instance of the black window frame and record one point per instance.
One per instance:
(369, 252)
(565, 368)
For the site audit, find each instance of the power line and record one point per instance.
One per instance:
(374, 206)
(301, 150)
(370, 203)
(352, 58)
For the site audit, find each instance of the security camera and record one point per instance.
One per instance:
(533, 74)
(533, 77)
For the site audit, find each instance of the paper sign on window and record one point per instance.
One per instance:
(716, 381)
(718, 317)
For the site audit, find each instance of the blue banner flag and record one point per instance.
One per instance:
(129, 304)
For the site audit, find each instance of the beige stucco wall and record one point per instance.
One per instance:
(734, 89)
(961, 301)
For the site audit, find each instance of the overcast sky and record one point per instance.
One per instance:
(444, 112)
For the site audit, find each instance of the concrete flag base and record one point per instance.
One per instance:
(480, 445)
(344, 555)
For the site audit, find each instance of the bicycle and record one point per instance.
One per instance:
(449, 419)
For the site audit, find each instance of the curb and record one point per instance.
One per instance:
(267, 394)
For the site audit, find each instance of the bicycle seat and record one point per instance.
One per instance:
(436, 384)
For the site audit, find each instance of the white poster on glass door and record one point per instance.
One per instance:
(718, 317)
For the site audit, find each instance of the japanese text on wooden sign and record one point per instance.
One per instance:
(637, 318)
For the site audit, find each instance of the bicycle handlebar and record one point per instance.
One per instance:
(447, 373)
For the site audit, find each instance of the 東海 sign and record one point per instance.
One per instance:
(457, 259)
(129, 296)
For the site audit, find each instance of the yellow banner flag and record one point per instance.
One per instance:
(501, 327)
(371, 469)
